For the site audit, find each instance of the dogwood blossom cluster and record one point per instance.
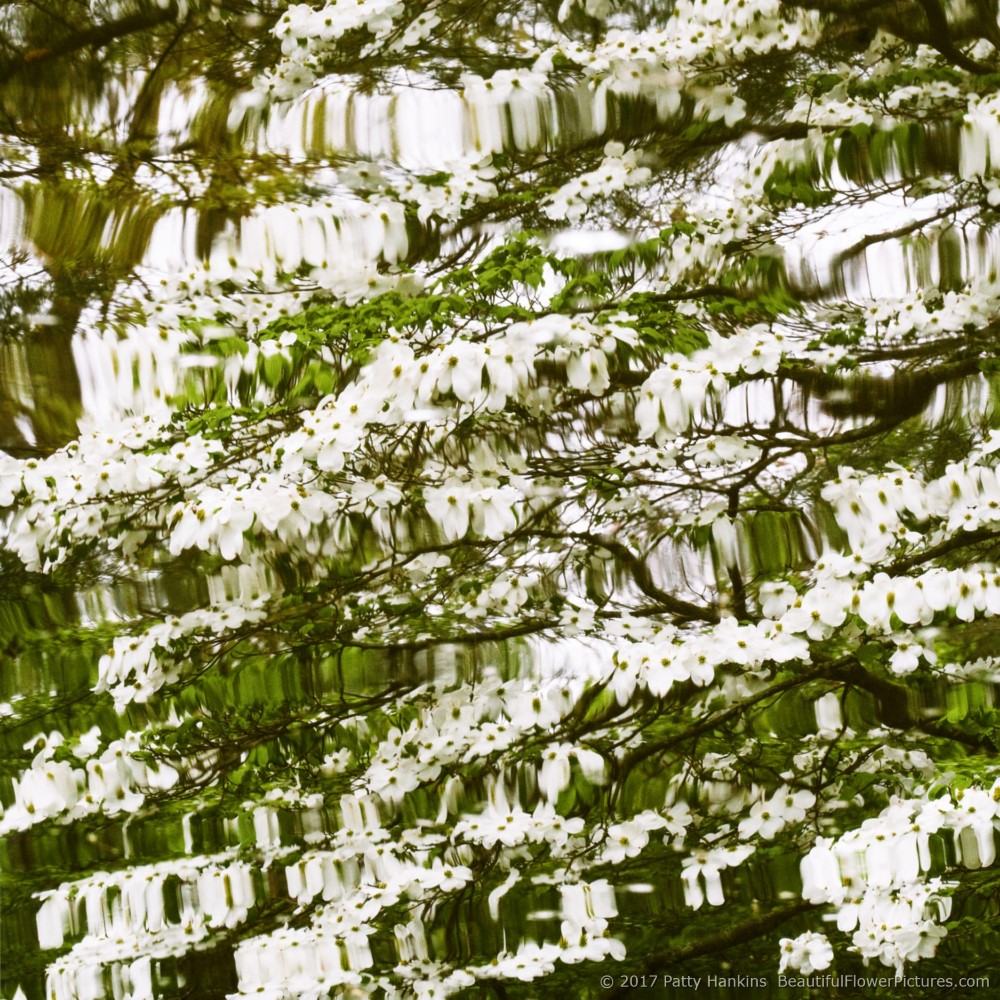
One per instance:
(872, 874)
(111, 781)
(618, 170)
(698, 38)
(807, 953)
(137, 666)
(676, 393)
(877, 514)
(306, 32)
(671, 659)
(926, 315)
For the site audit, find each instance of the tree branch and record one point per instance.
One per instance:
(901, 708)
(684, 610)
(719, 718)
(96, 36)
(712, 944)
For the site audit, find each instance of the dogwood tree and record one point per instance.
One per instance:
(542, 522)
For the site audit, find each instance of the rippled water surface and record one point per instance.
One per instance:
(161, 210)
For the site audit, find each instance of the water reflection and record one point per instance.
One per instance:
(264, 818)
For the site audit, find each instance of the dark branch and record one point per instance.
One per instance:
(746, 930)
(94, 37)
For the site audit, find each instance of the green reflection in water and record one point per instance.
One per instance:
(133, 170)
